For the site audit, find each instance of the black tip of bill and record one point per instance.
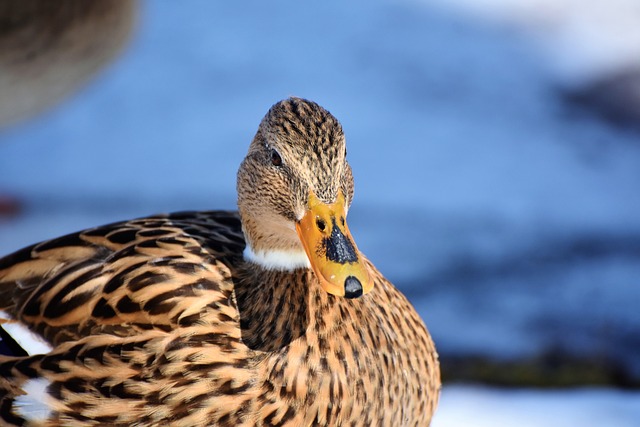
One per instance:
(352, 287)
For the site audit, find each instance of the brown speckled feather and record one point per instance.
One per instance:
(121, 279)
(160, 321)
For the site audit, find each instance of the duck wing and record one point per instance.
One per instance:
(154, 273)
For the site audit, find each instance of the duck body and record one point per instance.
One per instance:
(166, 320)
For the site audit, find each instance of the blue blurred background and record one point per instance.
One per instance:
(494, 145)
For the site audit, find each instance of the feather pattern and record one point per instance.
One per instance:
(161, 321)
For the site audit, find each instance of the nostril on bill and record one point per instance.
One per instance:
(352, 287)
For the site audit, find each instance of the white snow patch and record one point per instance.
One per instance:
(465, 405)
(582, 39)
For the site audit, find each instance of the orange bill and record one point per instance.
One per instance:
(334, 257)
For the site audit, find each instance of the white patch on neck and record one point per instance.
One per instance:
(30, 342)
(277, 259)
(33, 406)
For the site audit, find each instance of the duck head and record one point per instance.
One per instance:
(294, 191)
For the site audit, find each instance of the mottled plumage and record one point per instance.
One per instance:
(162, 321)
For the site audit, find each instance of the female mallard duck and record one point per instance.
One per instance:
(267, 317)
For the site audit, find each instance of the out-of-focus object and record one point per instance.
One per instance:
(591, 48)
(9, 206)
(49, 48)
(615, 97)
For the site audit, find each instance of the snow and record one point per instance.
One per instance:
(579, 41)
(511, 221)
(467, 405)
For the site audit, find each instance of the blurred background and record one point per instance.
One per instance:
(495, 146)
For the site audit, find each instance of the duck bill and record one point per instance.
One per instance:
(333, 255)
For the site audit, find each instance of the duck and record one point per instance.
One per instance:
(49, 50)
(269, 315)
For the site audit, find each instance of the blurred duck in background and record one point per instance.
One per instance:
(49, 49)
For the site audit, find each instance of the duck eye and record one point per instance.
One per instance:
(276, 160)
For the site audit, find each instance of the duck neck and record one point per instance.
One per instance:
(287, 260)
(278, 307)
(279, 250)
